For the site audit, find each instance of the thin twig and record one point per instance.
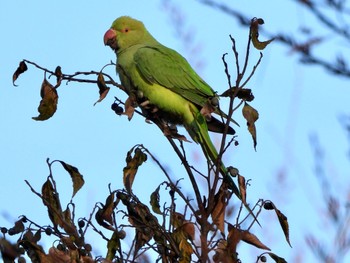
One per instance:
(72, 77)
(253, 71)
(306, 57)
(173, 186)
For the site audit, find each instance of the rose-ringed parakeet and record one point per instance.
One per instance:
(165, 86)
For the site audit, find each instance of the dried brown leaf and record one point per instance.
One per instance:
(254, 33)
(48, 103)
(233, 238)
(29, 236)
(142, 237)
(155, 201)
(104, 216)
(76, 176)
(284, 224)
(58, 256)
(244, 94)
(220, 203)
(132, 165)
(189, 229)
(253, 240)
(103, 89)
(108, 208)
(9, 252)
(58, 74)
(242, 188)
(68, 224)
(18, 227)
(99, 219)
(129, 106)
(186, 251)
(68, 242)
(251, 115)
(21, 68)
(268, 205)
(36, 252)
(222, 255)
(52, 202)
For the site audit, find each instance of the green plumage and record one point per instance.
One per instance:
(170, 89)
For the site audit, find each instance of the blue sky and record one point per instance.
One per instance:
(293, 101)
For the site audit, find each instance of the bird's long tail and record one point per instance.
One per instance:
(198, 131)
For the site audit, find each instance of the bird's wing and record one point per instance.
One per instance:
(166, 67)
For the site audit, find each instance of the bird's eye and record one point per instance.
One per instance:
(126, 30)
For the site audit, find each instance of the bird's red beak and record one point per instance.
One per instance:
(110, 39)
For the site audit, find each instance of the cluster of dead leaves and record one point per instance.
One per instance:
(249, 113)
(71, 246)
(146, 224)
(48, 92)
(226, 250)
(178, 242)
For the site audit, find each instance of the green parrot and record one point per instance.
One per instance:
(166, 87)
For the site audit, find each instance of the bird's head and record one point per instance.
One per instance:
(126, 32)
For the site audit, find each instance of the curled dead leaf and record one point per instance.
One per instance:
(132, 165)
(251, 115)
(155, 201)
(130, 105)
(17, 228)
(58, 74)
(103, 89)
(244, 94)
(22, 67)
(104, 215)
(254, 33)
(48, 103)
